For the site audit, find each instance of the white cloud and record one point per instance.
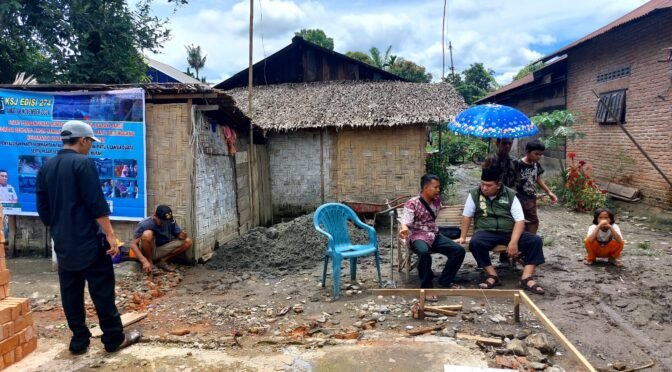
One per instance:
(504, 35)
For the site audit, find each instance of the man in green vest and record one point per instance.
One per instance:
(499, 220)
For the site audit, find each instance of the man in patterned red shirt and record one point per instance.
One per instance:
(418, 225)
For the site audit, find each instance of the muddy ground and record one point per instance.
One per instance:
(272, 313)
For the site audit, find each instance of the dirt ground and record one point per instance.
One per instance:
(264, 318)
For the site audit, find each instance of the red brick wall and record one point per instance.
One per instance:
(648, 105)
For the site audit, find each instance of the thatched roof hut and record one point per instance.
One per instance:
(341, 104)
(346, 140)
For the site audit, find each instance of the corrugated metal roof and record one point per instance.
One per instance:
(640, 12)
(525, 80)
(172, 72)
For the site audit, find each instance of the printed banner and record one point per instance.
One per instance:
(30, 127)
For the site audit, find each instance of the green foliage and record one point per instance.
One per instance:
(410, 71)
(458, 149)
(195, 59)
(474, 83)
(360, 56)
(77, 41)
(560, 123)
(532, 67)
(646, 245)
(382, 61)
(316, 36)
(579, 190)
(438, 164)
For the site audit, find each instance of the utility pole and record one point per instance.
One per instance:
(443, 42)
(452, 67)
(250, 148)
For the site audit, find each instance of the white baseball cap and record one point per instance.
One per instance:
(75, 129)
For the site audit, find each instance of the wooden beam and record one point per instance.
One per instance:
(489, 293)
(155, 97)
(206, 107)
(556, 332)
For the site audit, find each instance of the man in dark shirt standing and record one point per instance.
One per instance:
(71, 202)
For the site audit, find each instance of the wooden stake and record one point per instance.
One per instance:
(126, 319)
(556, 332)
(516, 308)
(421, 310)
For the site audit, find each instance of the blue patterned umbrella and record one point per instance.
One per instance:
(493, 121)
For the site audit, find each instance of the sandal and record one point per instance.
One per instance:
(534, 288)
(489, 285)
(131, 337)
(586, 262)
(616, 262)
(165, 266)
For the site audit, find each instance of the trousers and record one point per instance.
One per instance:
(453, 251)
(100, 278)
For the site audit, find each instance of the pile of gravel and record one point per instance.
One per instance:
(283, 247)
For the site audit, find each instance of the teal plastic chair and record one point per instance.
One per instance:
(331, 219)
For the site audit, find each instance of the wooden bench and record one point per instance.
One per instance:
(448, 216)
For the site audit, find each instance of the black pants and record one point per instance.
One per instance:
(100, 277)
(444, 246)
(529, 246)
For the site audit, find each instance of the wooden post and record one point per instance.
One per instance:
(421, 311)
(11, 239)
(516, 308)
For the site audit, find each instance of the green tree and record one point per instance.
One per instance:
(77, 41)
(382, 61)
(316, 36)
(360, 56)
(474, 82)
(195, 59)
(410, 71)
(532, 67)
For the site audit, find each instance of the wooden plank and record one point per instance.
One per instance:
(421, 311)
(516, 307)
(489, 293)
(438, 310)
(126, 320)
(556, 332)
(422, 331)
(486, 340)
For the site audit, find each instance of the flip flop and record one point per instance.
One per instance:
(586, 262)
(131, 337)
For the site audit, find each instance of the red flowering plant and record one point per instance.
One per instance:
(581, 192)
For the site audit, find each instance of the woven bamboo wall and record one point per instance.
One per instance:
(370, 165)
(216, 214)
(170, 162)
(296, 170)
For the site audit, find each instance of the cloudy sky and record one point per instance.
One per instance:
(505, 35)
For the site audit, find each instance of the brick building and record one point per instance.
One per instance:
(629, 63)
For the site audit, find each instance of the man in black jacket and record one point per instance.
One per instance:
(71, 202)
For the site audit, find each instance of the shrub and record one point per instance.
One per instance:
(580, 191)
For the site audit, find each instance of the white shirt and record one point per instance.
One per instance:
(7, 194)
(516, 208)
(605, 236)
